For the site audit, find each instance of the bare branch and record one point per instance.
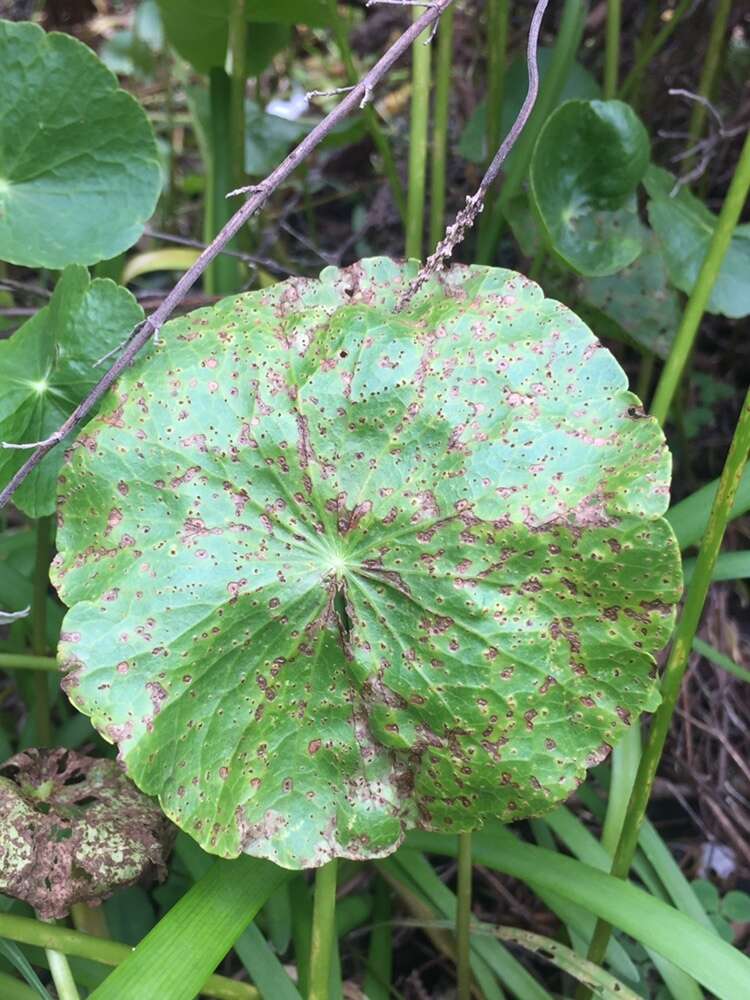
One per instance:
(254, 203)
(465, 219)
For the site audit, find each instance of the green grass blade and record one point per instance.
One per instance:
(712, 962)
(377, 984)
(689, 517)
(178, 955)
(11, 951)
(729, 566)
(699, 646)
(265, 970)
(678, 888)
(13, 989)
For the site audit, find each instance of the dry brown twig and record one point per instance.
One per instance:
(359, 96)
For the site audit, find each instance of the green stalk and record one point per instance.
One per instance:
(377, 984)
(696, 304)
(651, 49)
(612, 48)
(237, 68)
(62, 977)
(379, 138)
(112, 953)
(568, 40)
(18, 661)
(221, 274)
(720, 660)
(420, 114)
(498, 19)
(710, 68)
(323, 931)
(440, 127)
(463, 917)
(39, 629)
(678, 661)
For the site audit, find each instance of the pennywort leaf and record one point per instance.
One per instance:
(336, 570)
(79, 170)
(46, 370)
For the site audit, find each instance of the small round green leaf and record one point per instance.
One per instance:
(587, 162)
(79, 171)
(337, 570)
(47, 368)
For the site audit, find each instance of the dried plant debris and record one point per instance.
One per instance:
(74, 829)
(337, 570)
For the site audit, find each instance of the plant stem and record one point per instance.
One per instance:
(90, 919)
(69, 942)
(612, 48)
(420, 113)
(323, 931)
(39, 629)
(62, 977)
(237, 67)
(568, 39)
(379, 138)
(18, 661)
(440, 127)
(498, 19)
(221, 275)
(463, 917)
(651, 49)
(699, 297)
(710, 67)
(377, 985)
(677, 661)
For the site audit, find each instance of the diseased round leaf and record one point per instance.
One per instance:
(73, 829)
(79, 170)
(685, 228)
(336, 571)
(587, 162)
(47, 369)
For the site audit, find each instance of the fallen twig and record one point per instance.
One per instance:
(465, 219)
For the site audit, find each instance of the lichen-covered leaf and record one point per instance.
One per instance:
(47, 368)
(79, 169)
(587, 163)
(73, 829)
(336, 570)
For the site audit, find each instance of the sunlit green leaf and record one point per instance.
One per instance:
(79, 172)
(46, 369)
(587, 163)
(367, 568)
(685, 228)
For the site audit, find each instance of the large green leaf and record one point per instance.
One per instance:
(79, 171)
(46, 369)
(337, 570)
(199, 30)
(685, 228)
(587, 162)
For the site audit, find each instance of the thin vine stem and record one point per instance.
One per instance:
(612, 48)
(463, 918)
(651, 49)
(443, 68)
(323, 931)
(358, 97)
(237, 51)
(39, 629)
(699, 297)
(418, 145)
(20, 661)
(709, 71)
(677, 662)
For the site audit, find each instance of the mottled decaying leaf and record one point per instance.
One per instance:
(587, 163)
(79, 170)
(336, 570)
(73, 829)
(47, 368)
